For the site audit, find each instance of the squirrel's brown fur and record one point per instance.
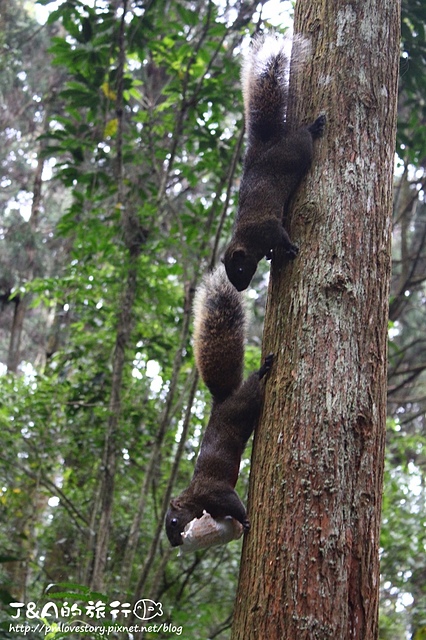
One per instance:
(275, 162)
(219, 352)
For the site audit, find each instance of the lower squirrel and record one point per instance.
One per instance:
(276, 160)
(219, 334)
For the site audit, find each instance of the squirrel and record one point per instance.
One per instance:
(219, 335)
(276, 160)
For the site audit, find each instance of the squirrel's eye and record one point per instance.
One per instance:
(173, 522)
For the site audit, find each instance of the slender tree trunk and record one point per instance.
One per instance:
(133, 238)
(109, 460)
(21, 303)
(310, 564)
(13, 355)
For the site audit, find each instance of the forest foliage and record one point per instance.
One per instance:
(122, 136)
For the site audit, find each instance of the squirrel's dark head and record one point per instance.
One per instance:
(240, 267)
(177, 518)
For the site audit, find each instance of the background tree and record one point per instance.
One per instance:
(403, 538)
(29, 249)
(317, 468)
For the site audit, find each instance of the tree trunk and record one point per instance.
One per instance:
(21, 303)
(13, 355)
(133, 240)
(310, 564)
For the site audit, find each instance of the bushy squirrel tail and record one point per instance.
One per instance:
(265, 81)
(219, 334)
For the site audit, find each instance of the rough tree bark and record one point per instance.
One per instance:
(310, 565)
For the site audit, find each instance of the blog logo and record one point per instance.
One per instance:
(147, 609)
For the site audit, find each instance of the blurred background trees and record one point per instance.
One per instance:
(121, 139)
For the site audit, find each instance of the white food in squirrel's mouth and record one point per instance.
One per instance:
(205, 532)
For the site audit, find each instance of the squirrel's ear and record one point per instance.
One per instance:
(239, 254)
(174, 502)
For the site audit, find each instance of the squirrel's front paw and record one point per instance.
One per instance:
(317, 128)
(291, 251)
(268, 361)
(246, 525)
(266, 366)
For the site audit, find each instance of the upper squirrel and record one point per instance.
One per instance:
(276, 159)
(219, 334)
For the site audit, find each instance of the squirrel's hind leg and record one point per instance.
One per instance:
(317, 128)
(266, 366)
(291, 250)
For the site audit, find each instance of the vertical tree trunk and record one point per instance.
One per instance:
(13, 355)
(310, 565)
(21, 302)
(133, 239)
(109, 460)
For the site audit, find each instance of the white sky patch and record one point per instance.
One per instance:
(22, 203)
(394, 331)
(415, 483)
(153, 371)
(42, 13)
(29, 372)
(48, 165)
(277, 13)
